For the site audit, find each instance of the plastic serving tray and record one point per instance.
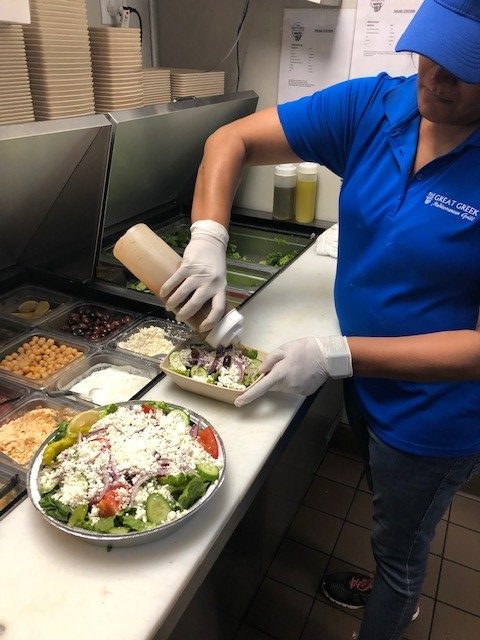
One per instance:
(176, 333)
(10, 330)
(12, 488)
(10, 394)
(34, 401)
(64, 319)
(45, 383)
(10, 302)
(98, 362)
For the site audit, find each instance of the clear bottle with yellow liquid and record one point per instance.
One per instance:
(306, 192)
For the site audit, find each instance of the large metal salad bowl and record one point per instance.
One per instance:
(131, 538)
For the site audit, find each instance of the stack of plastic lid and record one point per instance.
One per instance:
(58, 57)
(15, 97)
(117, 68)
(197, 83)
(156, 86)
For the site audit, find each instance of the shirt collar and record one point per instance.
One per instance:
(400, 106)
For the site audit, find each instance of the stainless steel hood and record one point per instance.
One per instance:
(157, 150)
(52, 183)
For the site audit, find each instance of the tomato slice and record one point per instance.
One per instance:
(207, 439)
(146, 408)
(110, 503)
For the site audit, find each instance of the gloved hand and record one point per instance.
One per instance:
(302, 366)
(201, 275)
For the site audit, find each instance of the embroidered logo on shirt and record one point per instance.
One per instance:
(460, 209)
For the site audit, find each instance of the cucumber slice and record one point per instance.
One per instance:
(104, 525)
(181, 414)
(119, 531)
(157, 508)
(208, 472)
(78, 515)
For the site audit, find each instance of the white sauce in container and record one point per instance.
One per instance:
(111, 384)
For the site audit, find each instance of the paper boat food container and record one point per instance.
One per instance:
(207, 389)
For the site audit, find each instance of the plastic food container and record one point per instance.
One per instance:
(13, 304)
(112, 387)
(174, 332)
(58, 341)
(12, 488)
(80, 319)
(10, 330)
(34, 418)
(10, 394)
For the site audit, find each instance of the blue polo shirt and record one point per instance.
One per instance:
(409, 248)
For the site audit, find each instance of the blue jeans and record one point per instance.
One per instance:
(410, 495)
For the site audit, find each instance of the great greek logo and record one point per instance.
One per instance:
(450, 205)
(297, 31)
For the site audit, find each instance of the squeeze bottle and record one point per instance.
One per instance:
(153, 261)
(306, 195)
(284, 183)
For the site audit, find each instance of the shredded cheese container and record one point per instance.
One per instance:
(151, 339)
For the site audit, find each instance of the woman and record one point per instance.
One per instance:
(407, 289)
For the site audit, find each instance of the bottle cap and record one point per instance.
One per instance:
(286, 170)
(226, 331)
(308, 167)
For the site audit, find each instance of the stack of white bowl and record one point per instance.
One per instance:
(117, 68)
(15, 97)
(156, 86)
(194, 82)
(58, 57)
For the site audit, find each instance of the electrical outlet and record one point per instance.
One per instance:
(109, 9)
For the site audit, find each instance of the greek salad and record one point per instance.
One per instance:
(125, 469)
(230, 367)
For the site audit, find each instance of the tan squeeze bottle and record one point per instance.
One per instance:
(153, 261)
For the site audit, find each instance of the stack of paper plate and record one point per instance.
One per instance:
(15, 97)
(117, 68)
(59, 59)
(194, 82)
(156, 86)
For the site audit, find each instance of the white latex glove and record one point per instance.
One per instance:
(302, 366)
(202, 275)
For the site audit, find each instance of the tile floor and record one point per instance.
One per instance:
(330, 531)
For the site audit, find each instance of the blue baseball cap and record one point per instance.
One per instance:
(447, 32)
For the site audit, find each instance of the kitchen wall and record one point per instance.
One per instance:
(198, 34)
(95, 20)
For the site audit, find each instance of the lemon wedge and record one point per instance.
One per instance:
(82, 423)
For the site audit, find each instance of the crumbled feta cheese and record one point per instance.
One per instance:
(148, 341)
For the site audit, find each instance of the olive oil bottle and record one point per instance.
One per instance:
(306, 192)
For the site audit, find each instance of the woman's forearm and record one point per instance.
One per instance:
(257, 139)
(218, 177)
(432, 357)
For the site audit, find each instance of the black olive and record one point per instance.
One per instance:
(227, 361)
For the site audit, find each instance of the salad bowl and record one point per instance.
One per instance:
(154, 503)
(221, 374)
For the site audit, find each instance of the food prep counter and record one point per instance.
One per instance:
(138, 593)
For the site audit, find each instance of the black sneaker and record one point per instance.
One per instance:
(348, 588)
(351, 590)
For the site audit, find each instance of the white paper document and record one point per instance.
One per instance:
(378, 27)
(316, 50)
